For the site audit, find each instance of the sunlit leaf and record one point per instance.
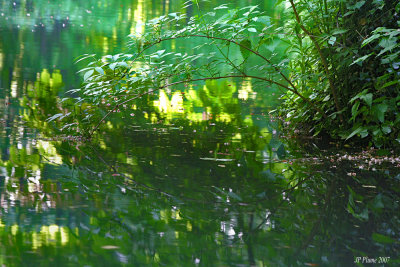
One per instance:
(56, 116)
(113, 65)
(223, 6)
(110, 247)
(360, 60)
(88, 74)
(99, 70)
(356, 131)
(332, 40)
(339, 31)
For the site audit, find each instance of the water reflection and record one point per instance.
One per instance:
(157, 194)
(217, 192)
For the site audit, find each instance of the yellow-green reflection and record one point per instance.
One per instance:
(1, 59)
(213, 98)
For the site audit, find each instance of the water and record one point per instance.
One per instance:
(201, 177)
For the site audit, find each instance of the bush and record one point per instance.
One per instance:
(358, 62)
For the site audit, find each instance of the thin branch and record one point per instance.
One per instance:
(229, 60)
(250, 50)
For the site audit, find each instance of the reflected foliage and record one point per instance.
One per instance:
(210, 191)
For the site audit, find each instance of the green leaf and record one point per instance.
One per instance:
(358, 95)
(359, 4)
(360, 60)
(339, 31)
(88, 74)
(252, 30)
(332, 40)
(364, 133)
(363, 215)
(234, 196)
(327, 97)
(223, 6)
(364, 96)
(354, 109)
(367, 98)
(377, 203)
(281, 152)
(122, 64)
(370, 39)
(56, 116)
(113, 65)
(351, 199)
(245, 43)
(377, 132)
(83, 57)
(379, 111)
(160, 52)
(265, 20)
(382, 238)
(389, 84)
(386, 129)
(99, 70)
(388, 44)
(356, 131)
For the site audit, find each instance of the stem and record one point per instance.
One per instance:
(323, 59)
(229, 60)
(204, 79)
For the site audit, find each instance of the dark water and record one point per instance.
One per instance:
(201, 177)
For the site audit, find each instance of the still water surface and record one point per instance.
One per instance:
(201, 177)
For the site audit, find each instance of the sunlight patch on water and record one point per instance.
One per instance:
(14, 88)
(246, 90)
(215, 159)
(138, 27)
(227, 228)
(51, 234)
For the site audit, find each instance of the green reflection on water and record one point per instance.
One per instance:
(193, 177)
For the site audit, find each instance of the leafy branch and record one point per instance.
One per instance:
(124, 75)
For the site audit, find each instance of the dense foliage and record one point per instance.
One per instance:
(348, 64)
(340, 75)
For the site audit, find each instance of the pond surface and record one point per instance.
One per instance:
(199, 177)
